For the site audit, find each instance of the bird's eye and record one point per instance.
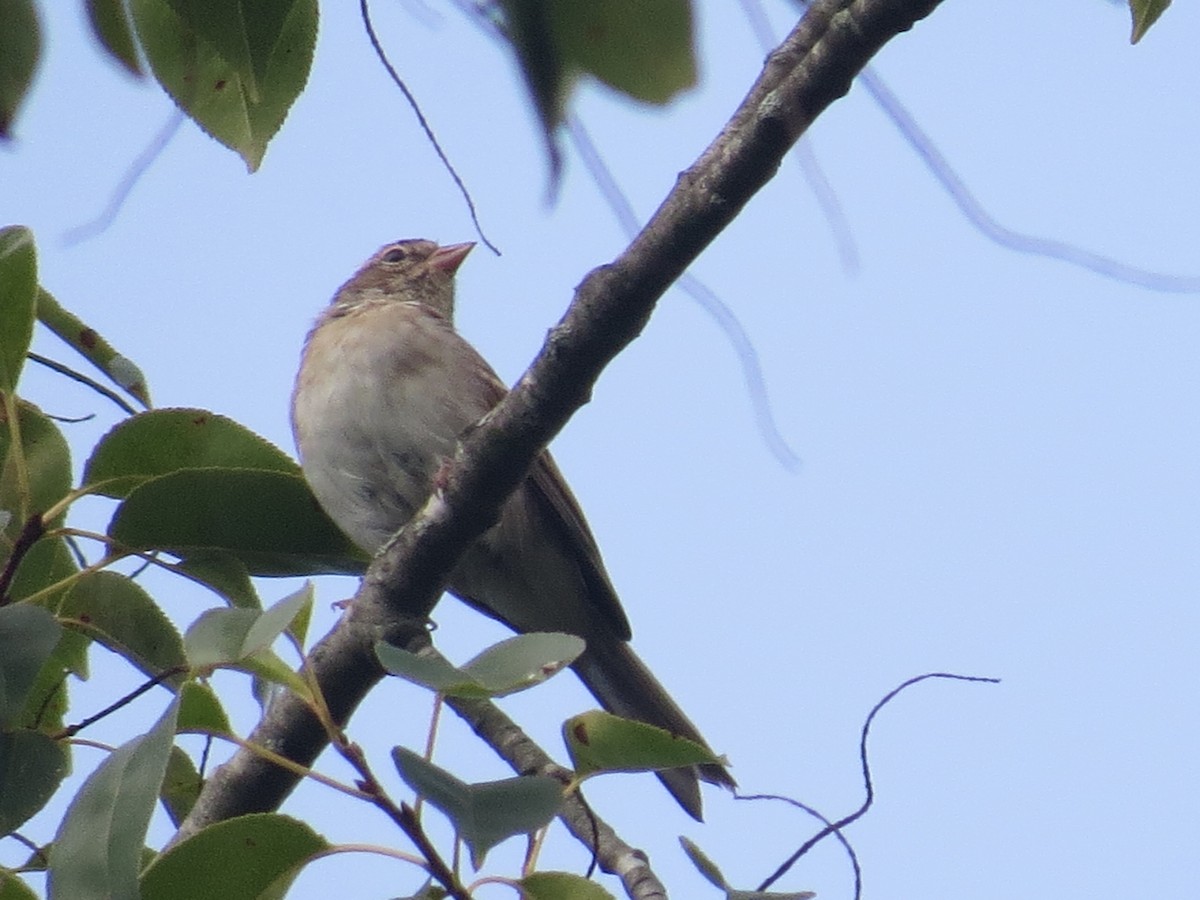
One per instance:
(395, 255)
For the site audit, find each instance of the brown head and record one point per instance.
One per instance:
(414, 270)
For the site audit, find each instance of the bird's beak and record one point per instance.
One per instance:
(448, 259)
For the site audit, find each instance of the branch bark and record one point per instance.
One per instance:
(813, 67)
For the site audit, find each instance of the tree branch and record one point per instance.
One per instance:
(813, 67)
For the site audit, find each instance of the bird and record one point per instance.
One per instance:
(385, 389)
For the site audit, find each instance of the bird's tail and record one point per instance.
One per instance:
(625, 687)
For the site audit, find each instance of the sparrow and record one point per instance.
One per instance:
(386, 388)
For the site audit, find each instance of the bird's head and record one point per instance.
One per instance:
(414, 270)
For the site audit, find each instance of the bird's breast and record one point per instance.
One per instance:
(377, 406)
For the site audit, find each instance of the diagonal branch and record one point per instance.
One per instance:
(813, 67)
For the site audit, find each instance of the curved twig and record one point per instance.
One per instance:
(836, 827)
(365, 12)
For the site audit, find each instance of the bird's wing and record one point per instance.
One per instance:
(555, 501)
(550, 489)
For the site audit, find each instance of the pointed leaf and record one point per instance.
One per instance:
(225, 575)
(111, 26)
(32, 766)
(643, 48)
(28, 635)
(115, 610)
(269, 850)
(221, 24)
(33, 478)
(235, 68)
(601, 742)
(181, 786)
(703, 864)
(89, 344)
(432, 672)
(240, 639)
(1145, 13)
(528, 26)
(507, 667)
(48, 698)
(98, 850)
(218, 637)
(222, 636)
(20, 50)
(18, 266)
(162, 441)
(427, 891)
(523, 661)
(709, 870)
(13, 888)
(273, 622)
(270, 521)
(200, 711)
(486, 813)
(561, 886)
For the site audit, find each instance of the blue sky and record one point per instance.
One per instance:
(999, 450)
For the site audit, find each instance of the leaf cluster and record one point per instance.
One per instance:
(236, 68)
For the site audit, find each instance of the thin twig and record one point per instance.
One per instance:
(31, 532)
(412, 101)
(404, 817)
(140, 165)
(819, 816)
(71, 730)
(837, 826)
(983, 221)
(63, 369)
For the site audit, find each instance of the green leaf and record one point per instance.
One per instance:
(703, 864)
(298, 627)
(162, 441)
(181, 785)
(116, 611)
(18, 271)
(89, 344)
(97, 853)
(601, 742)
(48, 698)
(235, 68)
(528, 27)
(200, 711)
(1145, 13)
(241, 639)
(28, 636)
(709, 870)
(642, 48)
(523, 661)
(270, 521)
(505, 668)
(433, 672)
(34, 476)
(32, 766)
(248, 858)
(111, 26)
(561, 886)
(13, 888)
(20, 50)
(225, 575)
(486, 813)
(273, 622)
(223, 636)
